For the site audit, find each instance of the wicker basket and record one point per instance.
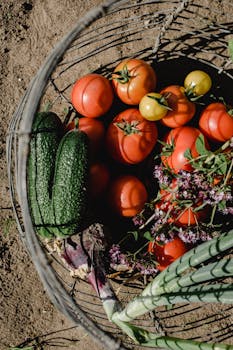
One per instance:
(180, 35)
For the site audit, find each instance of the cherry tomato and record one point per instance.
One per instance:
(94, 128)
(99, 178)
(182, 110)
(197, 83)
(132, 79)
(216, 123)
(178, 140)
(130, 138)
(167, 253)
(92, 95)
(153, 106)
(127, 195)
(179, 215)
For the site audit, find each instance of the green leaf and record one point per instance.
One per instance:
(221, 164)
(148, 236)
(230, 48)
(135, 234)
(222, 205)
(200, 146)
(188, 154)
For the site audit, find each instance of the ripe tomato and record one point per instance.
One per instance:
(153, 106)
(178, 141)
(94, 128)
(92, 95)
(99, 177)
(130, 138)
(179, 215)
(132, 79)
(197, 83)
(216, 123)
(127, 195)
(182, 110)
(167, 253)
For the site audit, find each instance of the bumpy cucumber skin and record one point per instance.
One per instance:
(69, 193)
(47, 131)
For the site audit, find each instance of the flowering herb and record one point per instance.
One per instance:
(188, 205)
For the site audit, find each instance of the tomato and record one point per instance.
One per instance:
(216, 123)
(130, 138)
(94, 128)
(92, 95)
(127, 195)
(182, 110)
(197, 83)
(167, 253)
(181, 216)
(99, 178)
(178, 140)
(132, 79)
(153, 106)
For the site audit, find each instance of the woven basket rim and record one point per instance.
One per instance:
(28, 107)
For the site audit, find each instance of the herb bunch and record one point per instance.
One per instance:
(204, 194)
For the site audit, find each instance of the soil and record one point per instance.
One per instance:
(29, 30)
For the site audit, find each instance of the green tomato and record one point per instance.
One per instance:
(197, 83)
(153, 106)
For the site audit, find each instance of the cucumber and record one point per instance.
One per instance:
(69, 192)
(47, 131)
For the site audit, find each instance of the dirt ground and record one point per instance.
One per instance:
(28, 31)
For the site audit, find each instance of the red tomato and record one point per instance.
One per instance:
(92, 95)
(178, 215)
(99, 178)
(180, 139)
(94, 128)
(167, 253)
(183, 109)
(127, 195)
(130, 138)
(132, 79)
(216, 123)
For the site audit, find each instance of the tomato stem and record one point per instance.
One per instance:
(128, 127)
(162, 101)
(123, 76)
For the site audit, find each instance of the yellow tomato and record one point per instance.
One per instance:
(153, 106)
(197, 83)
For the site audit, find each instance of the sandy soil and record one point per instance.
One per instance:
(28, 31)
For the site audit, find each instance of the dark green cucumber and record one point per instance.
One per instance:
(69, 193)
(47, 131)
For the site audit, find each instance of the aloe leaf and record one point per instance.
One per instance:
(154, 340)
(210, 293)
(144, 303)
(196, 256)
(219, 269)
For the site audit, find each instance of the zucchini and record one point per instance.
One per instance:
(47, 131)
(69, 192)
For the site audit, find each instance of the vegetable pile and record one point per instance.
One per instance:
(155, 166)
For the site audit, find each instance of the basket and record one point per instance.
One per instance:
(175, 36)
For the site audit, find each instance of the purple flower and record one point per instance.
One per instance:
(116, 256)
(138, 220)
(161, 176)
(227, 211)
(193, 236)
